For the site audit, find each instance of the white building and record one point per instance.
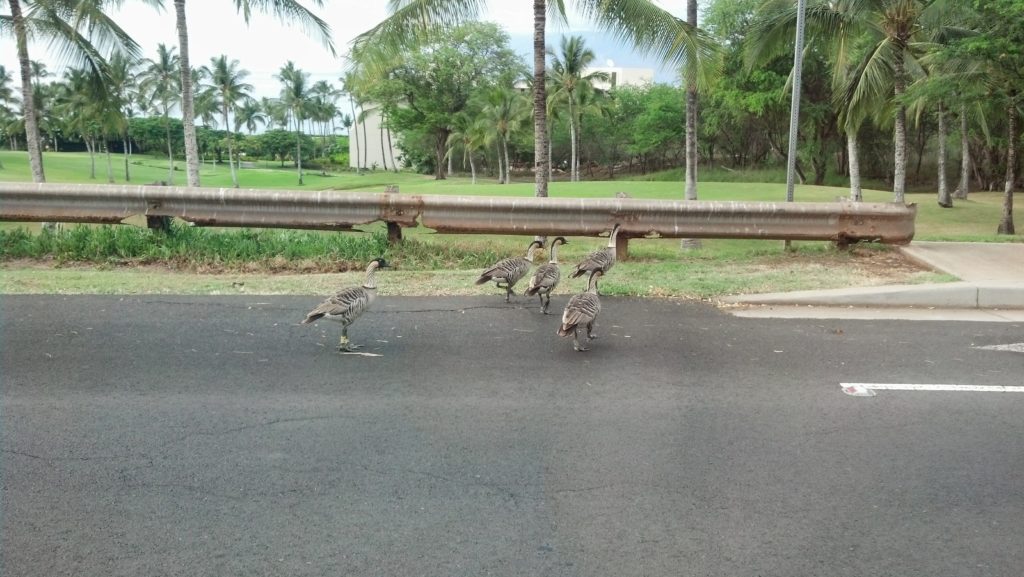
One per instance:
(377, 148)
(619, 76)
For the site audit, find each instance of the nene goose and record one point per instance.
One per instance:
(510, 270)
(582, 309)
(348, 304)
(546, 277)
(600, 260)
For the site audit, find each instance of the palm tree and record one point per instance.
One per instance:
(568, 70)
(250, 114)
(470, 137)
(323, 110)
(121, 75)
(295, 96)
(649, 28)
(284, 10)
(79, 30)
(227, 88)
(160, 83)
(503, 113)
(83, 101)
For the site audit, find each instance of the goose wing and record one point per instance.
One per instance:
(582, 308)
(597, 260)
(346, 305)
(509, 270)
(545, 277)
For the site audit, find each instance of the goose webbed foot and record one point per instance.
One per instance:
(345, 345)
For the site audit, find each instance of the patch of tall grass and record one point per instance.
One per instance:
(191, 247)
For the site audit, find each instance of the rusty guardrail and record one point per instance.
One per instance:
(841, 222)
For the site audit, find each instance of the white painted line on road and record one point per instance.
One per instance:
(868, 389)
(1012, 347)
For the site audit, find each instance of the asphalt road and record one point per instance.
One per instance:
(151, 436)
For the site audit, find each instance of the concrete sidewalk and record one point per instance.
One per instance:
(991, 287)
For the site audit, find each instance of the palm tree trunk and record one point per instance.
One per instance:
(945, 200)
(298, 147)
(501, 169)
(900, 131)
(126, 144)
(1006, 224)
(35, 154)
(231, 148)
(384, 155)
(366, 147)
(551, 167)
(391, 151)
(540, 142)
(472, 167)
(352, 105)
(508, 161)
(110, 165)
(853, 151)
(170, 148)
(690, 190)
(187, 107)
(965, 156)
(90, 145)
(573, 175)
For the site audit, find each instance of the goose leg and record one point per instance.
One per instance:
(576, 341)
(344, 344)
(543, 307)
(590, 331)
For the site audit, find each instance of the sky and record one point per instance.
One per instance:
(265, 44)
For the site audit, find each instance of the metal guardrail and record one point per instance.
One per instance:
(841, 222)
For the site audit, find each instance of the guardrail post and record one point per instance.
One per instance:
(394, 229)
(161, 223)
(621, 247)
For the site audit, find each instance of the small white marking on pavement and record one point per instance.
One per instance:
(363, 354)
(868, 389)
(1012, 347)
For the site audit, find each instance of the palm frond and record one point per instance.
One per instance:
(288, 11)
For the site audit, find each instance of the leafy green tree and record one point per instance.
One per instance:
(657, 132)
(285, 10)
(423, 90)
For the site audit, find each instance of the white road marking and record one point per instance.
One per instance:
(868, 389)
(1012, 347)
(362, 354)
